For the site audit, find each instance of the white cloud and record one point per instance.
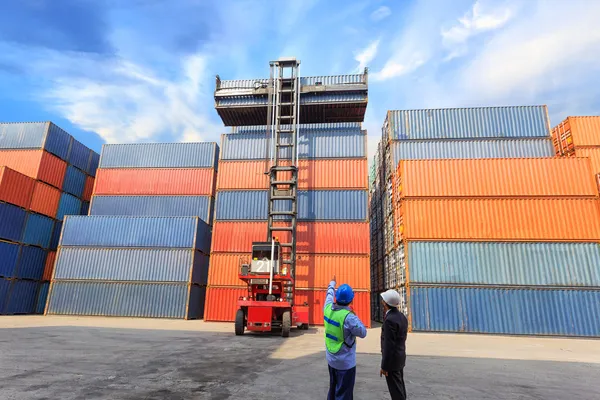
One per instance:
(365, 56)
(478, 20)
(381, 13)
(394, 69)
(137, 105)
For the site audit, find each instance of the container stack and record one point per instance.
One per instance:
(333, 230)
(144, 249)
(474, 222)
(579, 136)
(332, 201)
(45, 174)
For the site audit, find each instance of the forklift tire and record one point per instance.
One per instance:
(286, 324)
(239, 322)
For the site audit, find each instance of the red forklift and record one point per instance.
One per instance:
(270, 274)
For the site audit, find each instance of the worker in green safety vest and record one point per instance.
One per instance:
(342, 327)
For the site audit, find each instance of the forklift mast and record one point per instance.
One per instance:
(282, 126)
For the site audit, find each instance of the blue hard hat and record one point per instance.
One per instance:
(344, 294)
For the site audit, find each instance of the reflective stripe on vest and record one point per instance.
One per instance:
(334, 328)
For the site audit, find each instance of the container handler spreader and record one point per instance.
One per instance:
(270, 274)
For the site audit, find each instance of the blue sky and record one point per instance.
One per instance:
(143, 70)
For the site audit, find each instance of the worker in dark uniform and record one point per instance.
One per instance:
(342, 327)
(393, 345)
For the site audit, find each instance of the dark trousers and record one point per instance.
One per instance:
(395, 382)
(341, 384)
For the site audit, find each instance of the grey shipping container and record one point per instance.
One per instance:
(145, 265)
(35, 135)
(160, 155)
(468, 123)
(166, 206)
(142, 232)
(126, 299)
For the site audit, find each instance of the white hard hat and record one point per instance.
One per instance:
(391, 297)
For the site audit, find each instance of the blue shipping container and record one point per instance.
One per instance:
(56, 235)
(22, 297)
(42, 297)
(330, 144)
(12, 222)
(308, 128)
(69, 205)
(85, 208)
(93, 164)
(4, 290)
(483, 148)
(9, 256)
(74, 182)
(468, 123)
(160, 155)
(146, 265)
(306, 98)
(35, 135)
(38, 230)
(322, 205)
(120, 299)
(31, 263)
(115, 231)
(528, 264)
(79, 155)
(154, 206)
(506, 311)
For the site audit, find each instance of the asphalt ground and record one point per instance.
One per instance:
(117, 358)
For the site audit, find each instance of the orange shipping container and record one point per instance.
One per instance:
(15, 188)
(593, 153)
(36, 164)
(312, 237)
(155, 181)
(312, 174)
(312, 270)
(49, 268)
(45, 199)
(221, 304)
(574, 132)
(88, 188)
(517, 177)
(499, 219)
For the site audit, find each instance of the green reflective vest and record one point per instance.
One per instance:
(334, 328)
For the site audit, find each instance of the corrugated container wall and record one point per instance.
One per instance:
(142, 232)
(12, 222)
(79, 155)
(160, 155)
(68, 205)
(38, 230)
(494, 263)
(15, 188)
(468, 123)
(146, 181)
(593, 153)
(158, 206)
(534, 177)
(500, 219)
(576, 132)
(45, 199)
(32, 261)
(36, 164)
(9, 256)
(74, 181)
(35, 135)
(506, 310)
(22, 297)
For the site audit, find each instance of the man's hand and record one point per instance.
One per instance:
(382, 373)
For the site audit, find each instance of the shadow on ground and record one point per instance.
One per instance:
(101, 363)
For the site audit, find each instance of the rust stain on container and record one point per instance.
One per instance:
(312, 237)
(517, 177)
(499, 219)
(312, 270)
(36, 164)
(49, 267)
(155, 181)
(221, 304)
(45, 199)
(15, 188)
(312, 174)
(575, 132)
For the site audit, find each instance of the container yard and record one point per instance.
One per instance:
(485, 220)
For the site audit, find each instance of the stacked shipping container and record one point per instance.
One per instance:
(144, 191)
(502, 221)
(332, 236)
(579, 136)
(45, 174)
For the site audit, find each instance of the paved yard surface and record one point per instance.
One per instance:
(113, 358)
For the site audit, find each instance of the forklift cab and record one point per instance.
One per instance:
(265, 255)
